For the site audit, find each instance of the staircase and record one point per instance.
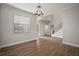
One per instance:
(58, 31)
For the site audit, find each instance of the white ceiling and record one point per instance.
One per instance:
(48, 8)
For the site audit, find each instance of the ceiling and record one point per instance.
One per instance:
(48, 8)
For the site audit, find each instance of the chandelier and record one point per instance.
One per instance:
(38, 10)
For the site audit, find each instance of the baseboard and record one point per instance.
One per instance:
(7, 45)
(70, 44)
(57, 36)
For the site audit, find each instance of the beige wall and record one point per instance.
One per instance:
(0, 24)
(71, 26)
(8, 36)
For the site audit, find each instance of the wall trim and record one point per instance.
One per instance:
(7, 45)
(71, 44)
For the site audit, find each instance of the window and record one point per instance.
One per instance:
(21, 23)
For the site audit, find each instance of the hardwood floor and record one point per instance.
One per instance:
(44, 47)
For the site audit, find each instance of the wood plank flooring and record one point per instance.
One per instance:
(45, 47)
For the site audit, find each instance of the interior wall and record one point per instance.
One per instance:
(6, 22)
(42, 29)
(57, 18)
(71, 26)
(0, 24)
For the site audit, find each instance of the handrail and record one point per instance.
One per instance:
(58, 27)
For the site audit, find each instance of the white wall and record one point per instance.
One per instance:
(71, 26)
(57, 18)
(44, 31)
(8, 36)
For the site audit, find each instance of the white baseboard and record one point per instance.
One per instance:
(75, 45)
(59, 36)
(7, 45)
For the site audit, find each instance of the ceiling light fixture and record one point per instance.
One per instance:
(38, 10)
